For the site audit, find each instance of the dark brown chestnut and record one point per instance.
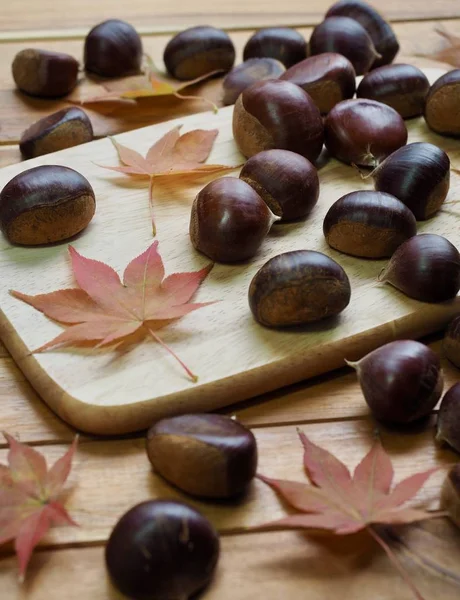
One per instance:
(419, 175)
(197, 51)
(368, 224)
(282, 43)
(113, 49)
(450, 495)
(328, 78)
(425, 267)
(45, 204)
(401, 381)
(363, 132)
(45, 74)
(244, 75)
(344, 36)
(441, 106)
(63, 129)
(297, 288)
(378, 28)
(448, 424)
(229, 220)
(451, 343)
(286, 181)
(211, 456)
(277, 114)
(403, 87)
(162, 549)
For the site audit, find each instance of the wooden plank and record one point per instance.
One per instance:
(109, 477)
(124, 392)
(271, 566)
(18, 111)
(166, 15)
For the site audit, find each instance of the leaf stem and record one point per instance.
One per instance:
(192, 376)
(152, 216)
(392, 556)
(201, 98)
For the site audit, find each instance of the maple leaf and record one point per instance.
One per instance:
(343, 504)
(173, 155)
(449, 55)
(105, 311)
(29, 497)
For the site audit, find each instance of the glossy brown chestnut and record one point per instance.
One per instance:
(113, 49)
(448, 424)
(441, 106)
(451, 343)
(425, 267)
(45, 74)
(450, 495)
(244, 75)
(63, 129)
(401, 381)
(197, 51)
(419, 175)
(328, 78)
(297, 288)
(363, 132)
(368, 224)
(403, 87)
(205, 455)
(229, 220)
(282, 43)
(45, 204)
(344, 36)
(277, 114)
(286, 181)
(162, 549)
(378, 28)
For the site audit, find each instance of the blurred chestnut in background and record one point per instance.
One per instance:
(282, 43)
(45, 74)
(244, 75)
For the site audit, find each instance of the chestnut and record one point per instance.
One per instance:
(229, 220)
(277, 114)
(113, 49)
(448, 424)
(45, 74)
(451, 343)
(419, 175)
(63, 129)
(45, 204)
(403, 87)
(425, 267)
(441, 106)
(286, 181)
(252, 70)
(197, 51)
(378, 28)
(297, 288)
(162, 549)
(211, 456)
(450, 495)
(401, 381)
(344, 36)
(363, 132)
(368, 224)
(282, 43)
(328, 78)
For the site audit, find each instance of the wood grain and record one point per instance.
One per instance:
(124, 392)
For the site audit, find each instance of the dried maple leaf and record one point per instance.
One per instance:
(29, 497)
(173, 155)
(107, 311)
(449, 55)
(344, 504)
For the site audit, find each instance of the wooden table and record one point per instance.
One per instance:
(111, 475)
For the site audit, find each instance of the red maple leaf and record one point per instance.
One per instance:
(105, 311)
(343, 503)
(29, 497)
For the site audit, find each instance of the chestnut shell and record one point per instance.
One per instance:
(451, 343)
(247, 73)
(277, 114)
(282, 43)
(403, 87)
(441, 106)
(328, 78)
(44, 73)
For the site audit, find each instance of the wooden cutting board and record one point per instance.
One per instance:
(108, 392)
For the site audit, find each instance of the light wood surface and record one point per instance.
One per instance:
(234, 357)
(266, 566)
